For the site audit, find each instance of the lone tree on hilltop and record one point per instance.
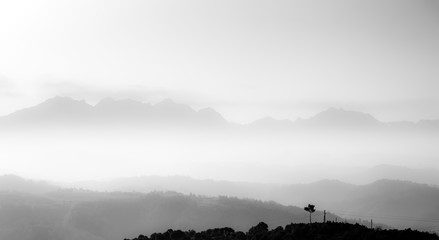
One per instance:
(310, 209)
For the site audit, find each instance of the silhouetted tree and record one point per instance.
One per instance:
(310, 209)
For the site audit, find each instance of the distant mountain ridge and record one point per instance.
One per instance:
(341, 117)
(65, 110)
(13, 183)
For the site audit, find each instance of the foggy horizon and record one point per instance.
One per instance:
(121, 118)
(85, 138)
(281, 71)
(254, 63)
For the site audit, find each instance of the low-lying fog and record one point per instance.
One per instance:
(69, 155)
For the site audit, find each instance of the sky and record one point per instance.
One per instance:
(246, 59)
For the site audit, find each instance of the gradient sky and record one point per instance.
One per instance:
(247, 59)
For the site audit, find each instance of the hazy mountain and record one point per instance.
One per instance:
(395, 203)
(332, 118)
(57, 110)
(392, 202)
(340, 118)
(208, 187)
(126, 138)
(13, 183)
(64, 110)
(180, 184)
(67, 111)
(421, 175)
(82, 215)
(119, 110)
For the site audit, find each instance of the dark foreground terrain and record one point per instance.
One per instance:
(327, 231)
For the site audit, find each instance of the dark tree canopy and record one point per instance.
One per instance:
(299, 231)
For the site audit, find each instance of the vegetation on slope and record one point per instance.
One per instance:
(300, 231)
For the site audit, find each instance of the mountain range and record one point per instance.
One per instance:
(395, 203)
(67, 111)
(77, 214)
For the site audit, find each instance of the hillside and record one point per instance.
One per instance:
(396, 203)
(85, 215)
(328, 231)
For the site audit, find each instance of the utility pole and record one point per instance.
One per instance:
(324, 216)
(371, 224)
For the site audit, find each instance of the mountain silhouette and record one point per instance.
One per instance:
(425, 175)
(54, 110)
(331, 118)
(67, 111)
(109, 107)
(340, 118)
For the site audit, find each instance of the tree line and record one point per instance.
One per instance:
(295, 231)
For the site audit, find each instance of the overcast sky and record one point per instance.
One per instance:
(247, 59)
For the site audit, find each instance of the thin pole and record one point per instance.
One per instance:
(324, 216)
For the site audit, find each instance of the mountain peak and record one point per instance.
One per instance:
(59, 100)
(53, 109)
(63, 102)
(341, 117)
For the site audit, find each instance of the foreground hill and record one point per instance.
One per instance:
(86, 215)
(328, 231)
